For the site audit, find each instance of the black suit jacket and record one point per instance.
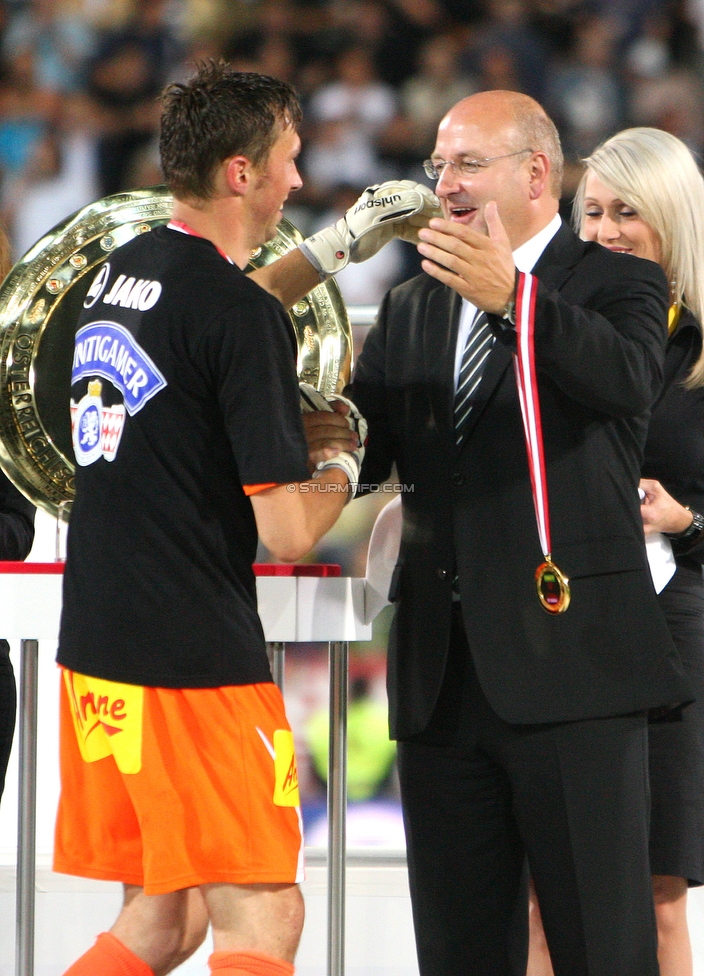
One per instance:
(599, 339)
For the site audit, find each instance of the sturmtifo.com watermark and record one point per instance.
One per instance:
(386, 489)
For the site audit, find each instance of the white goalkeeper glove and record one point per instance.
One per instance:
(398, 208)
(348, 461)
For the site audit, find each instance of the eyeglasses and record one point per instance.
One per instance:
(434, 168)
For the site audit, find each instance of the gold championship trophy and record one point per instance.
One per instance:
(40, 302)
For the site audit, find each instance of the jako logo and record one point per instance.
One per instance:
(133, 293)
(378, 202)
(97, 286)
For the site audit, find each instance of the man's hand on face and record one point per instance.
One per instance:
(477, 266)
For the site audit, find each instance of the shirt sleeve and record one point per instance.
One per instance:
(251, 352)
(255, 489)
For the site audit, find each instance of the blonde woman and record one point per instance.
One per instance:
(642, 193)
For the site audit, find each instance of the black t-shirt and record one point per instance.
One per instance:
(16, 522)
(184, 390)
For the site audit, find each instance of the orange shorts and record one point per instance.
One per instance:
(172, 788)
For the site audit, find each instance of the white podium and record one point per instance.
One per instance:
(305, 603)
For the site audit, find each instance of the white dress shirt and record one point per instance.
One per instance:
(525, 258)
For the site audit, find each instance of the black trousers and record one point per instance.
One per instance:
(8, 706)
(481, 796)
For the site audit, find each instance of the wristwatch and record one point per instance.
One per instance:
(695, 528)
(509, 312)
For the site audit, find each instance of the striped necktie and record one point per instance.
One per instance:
(477, 348)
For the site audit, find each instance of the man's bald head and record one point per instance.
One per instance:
(516, 121)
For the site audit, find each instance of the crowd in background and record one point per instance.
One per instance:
(79, 113)
(79, 80)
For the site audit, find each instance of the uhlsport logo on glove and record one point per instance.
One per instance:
(397, 208)
(390, 201)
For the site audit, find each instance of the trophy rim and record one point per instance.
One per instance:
(59, 268)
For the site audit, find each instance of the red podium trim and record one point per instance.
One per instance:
(296, 569)
(260, 569)
(8, 566)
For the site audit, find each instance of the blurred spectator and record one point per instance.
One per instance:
(648, 55)
(392, 30)
(355, 96)
(271, 53)
(585, 96)
(59, 38)
(498, 68)
(126, 74)
(672, 101)
(554, 22)
(664, 80)
(346, 116)
(684, 14)
(370, 753)
(685, 30)
(425, 96)
(462, 12)
(26, 111)
(59, 179)
(339, 152)
(506, 52)
(626, 16)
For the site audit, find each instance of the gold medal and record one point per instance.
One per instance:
(553, 587)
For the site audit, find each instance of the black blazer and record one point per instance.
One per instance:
(600, 339)
(674, 450)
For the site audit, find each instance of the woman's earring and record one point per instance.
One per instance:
(673, 314)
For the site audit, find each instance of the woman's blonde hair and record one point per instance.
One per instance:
(655, 173)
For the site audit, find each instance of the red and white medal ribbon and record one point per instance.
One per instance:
(183, 228)
(553, 586)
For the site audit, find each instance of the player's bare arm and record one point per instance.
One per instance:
(292, 518)
(289, 278)
(396, 209)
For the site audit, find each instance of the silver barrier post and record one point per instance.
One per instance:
(277, 659)
(361, 315)
(337, 806)
(27, 810)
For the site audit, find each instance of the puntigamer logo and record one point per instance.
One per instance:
(107, 349)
